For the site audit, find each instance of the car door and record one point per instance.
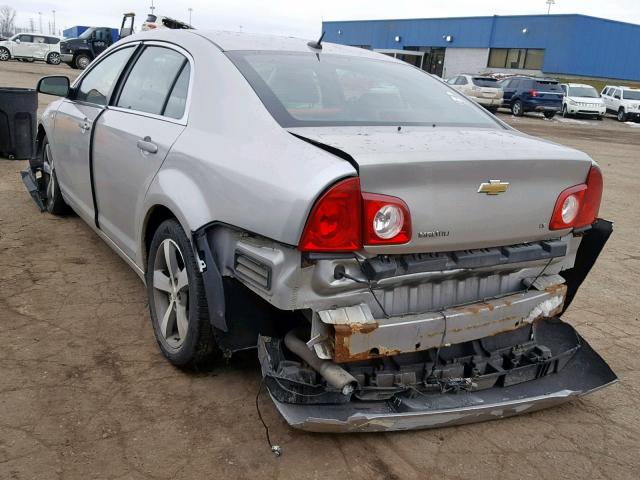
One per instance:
(39, 47)
(509, 88)
(22, 46)
(133, 138)
(74, 126)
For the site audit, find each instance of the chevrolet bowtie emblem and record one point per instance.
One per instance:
(493, 187)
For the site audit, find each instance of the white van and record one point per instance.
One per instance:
(31, 46)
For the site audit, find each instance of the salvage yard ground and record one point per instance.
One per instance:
(86, 394)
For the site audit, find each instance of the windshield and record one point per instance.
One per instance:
(631, 94)
(485, 82)
(588, 92)
(303, 89)
(87, 33)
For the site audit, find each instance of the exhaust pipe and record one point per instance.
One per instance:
(335, 375)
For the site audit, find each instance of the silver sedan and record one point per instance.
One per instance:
(398, 255)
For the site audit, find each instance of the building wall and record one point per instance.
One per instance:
(464, 60)
(574, 44)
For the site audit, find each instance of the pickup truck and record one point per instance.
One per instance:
(79, 52)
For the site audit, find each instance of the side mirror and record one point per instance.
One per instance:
(17, 40)
(54, 85)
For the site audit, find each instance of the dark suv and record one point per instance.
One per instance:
(529, 94)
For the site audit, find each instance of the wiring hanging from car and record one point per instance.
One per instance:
(275, 449)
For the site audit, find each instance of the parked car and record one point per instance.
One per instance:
(530, 94)
(155, 21)
(79, 52)
(624, 102)
(30, 47)
(581, 99)
(400, 257)
(484, 90)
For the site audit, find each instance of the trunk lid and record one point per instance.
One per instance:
(438, 171)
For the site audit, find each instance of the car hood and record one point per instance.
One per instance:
(438, 172)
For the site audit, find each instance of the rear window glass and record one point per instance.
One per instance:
(303, 89)
(548, 86)
(485, 82)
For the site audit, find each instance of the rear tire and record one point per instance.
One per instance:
(5, 54)
(53, 58)
(177, 302)
(82, 61)
(54, 203)
(621, 115)
(517, 108)
(549, 115)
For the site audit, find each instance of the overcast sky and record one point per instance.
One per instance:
(300, 18)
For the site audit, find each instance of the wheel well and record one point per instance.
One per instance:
(155, 217)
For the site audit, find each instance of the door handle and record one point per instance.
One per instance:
(84, 126)
(146, 145)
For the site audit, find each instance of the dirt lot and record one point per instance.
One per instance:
(85, 393)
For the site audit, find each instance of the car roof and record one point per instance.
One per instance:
(36, 34)
(578, 85)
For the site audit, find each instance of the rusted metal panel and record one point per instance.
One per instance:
(368, 339)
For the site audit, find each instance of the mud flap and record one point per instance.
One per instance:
(571, 370)
(31, 183)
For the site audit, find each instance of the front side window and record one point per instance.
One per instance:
(25, 38)
(151, 80)
(98, 84)
(301, 90)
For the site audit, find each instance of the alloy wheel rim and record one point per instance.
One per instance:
(4, 55)
(171, 293)
(516, 108)
(83, 63)
(48, 170)
(54, 58)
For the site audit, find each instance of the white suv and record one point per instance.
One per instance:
(484, 90)
(31, 46)
(581, 99)
(623, 101)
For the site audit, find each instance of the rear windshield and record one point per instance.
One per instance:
(631, 94)
(588, 92)
(548, 86)
(305, 89)
(485, 82)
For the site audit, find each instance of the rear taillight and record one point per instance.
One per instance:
(533, 93)
(578, 206)
(344, 219)
(386, 220)
(334, 222)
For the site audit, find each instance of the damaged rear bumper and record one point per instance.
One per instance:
(464, 388)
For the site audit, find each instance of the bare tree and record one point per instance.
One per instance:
(7, 20)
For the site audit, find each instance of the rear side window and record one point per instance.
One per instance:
(53, 40)
(462, 81)
(151, 80)
(39, 40)
(485, 82)
(177, 101)
(98, 84)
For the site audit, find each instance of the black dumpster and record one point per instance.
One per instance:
(18, 110)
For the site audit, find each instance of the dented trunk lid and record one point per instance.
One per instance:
(438, 171)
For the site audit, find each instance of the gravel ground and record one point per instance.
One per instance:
(85, 392)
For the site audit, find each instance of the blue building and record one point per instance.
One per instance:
(574, 45)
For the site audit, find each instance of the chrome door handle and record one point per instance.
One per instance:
(84, 126)
(146, 145)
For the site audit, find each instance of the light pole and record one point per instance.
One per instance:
(190, 10)
(40, 21)
(152, 8)
(549, 3)
(54, 21)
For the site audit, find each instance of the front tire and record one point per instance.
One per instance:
(621, 115)
(565, 113)
(53, 58)
(54, 203)
(4, 54)
(549, 115)
(177, 302)
(517, 108)
(82, 61)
